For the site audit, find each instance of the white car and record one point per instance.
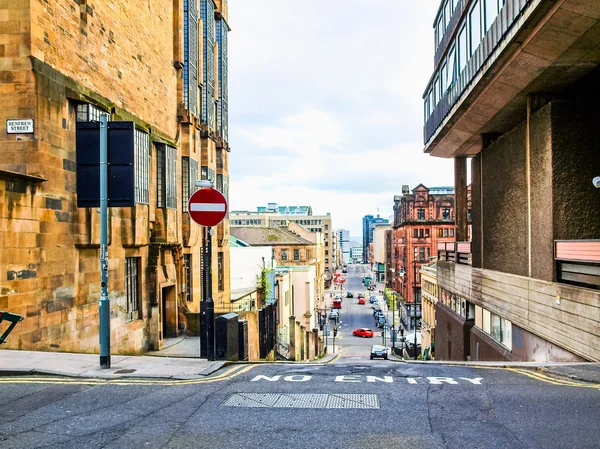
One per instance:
(410, 339)
(334, 315)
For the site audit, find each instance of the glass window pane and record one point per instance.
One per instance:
(496, 331)
(491, 12)
(462, 49)
(486, 321)
(446, 13)
(475, 26)
(451, 72)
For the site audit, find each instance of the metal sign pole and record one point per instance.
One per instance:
(210, 305)
(104, 312)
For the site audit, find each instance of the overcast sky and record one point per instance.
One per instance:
(325, 105)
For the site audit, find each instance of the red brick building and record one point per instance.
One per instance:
(422, 219)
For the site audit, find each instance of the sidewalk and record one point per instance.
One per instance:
(178, 360)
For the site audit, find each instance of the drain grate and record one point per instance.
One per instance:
(279, 400)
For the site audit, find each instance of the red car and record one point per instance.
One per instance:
(363, 332)
(361, 300)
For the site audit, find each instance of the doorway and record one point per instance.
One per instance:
(169, 312)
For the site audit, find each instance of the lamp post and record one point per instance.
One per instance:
(415, 302)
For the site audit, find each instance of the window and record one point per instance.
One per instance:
(436, 90)
(475, 26)
(445, 232)
(220, 270)
(189, 176)
(447, 13)
(142, 164)
(223, 187)
(427, 232)
(296, 254)
(443, 78)
(89, 113)
(223, 102)
(187, 267)
(326, 260)
(430, 103)
(439, 30)
(284, 254)
(451, 71)
(208, 173)
(326, 227)
(422, 253)
(446, 214)
(486, 321)
(207, 12)
(421, 233)
(491, 12)
(440, 232)
(463, 51)
(451, 232)
(326, 252)
(420, 214)
(166, 176)
(132, 287)
(190, 52)
(416, 233)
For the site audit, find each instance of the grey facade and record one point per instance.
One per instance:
(524, 106)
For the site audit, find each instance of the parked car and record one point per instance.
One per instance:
(380, 323)
(379, 351)
(349, 295)
(363, 332)
(410, 339)
(377, 311)
(376, 305)
(334, 315)
(361, 300)
(372, 299)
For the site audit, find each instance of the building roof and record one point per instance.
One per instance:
(263, 236)
(237, 243)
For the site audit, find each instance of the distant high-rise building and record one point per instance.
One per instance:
(344, 238)
(367, 228)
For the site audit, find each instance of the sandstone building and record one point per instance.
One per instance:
(161, 65)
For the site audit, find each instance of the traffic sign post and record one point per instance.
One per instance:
(207, 207)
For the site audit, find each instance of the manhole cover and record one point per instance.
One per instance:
(125, 371)
(279, 400)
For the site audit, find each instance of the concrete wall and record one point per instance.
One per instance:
(451, 334)
(247, 264)
(575, 161)
(563, 315)
(504, 218)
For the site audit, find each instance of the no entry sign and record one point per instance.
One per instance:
(207, 207)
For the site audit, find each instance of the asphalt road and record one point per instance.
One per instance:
(352, 402)
(354, 316)
(339, 405)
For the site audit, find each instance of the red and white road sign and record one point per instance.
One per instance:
(207, 207)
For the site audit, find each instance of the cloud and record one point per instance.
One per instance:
(325, 104)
